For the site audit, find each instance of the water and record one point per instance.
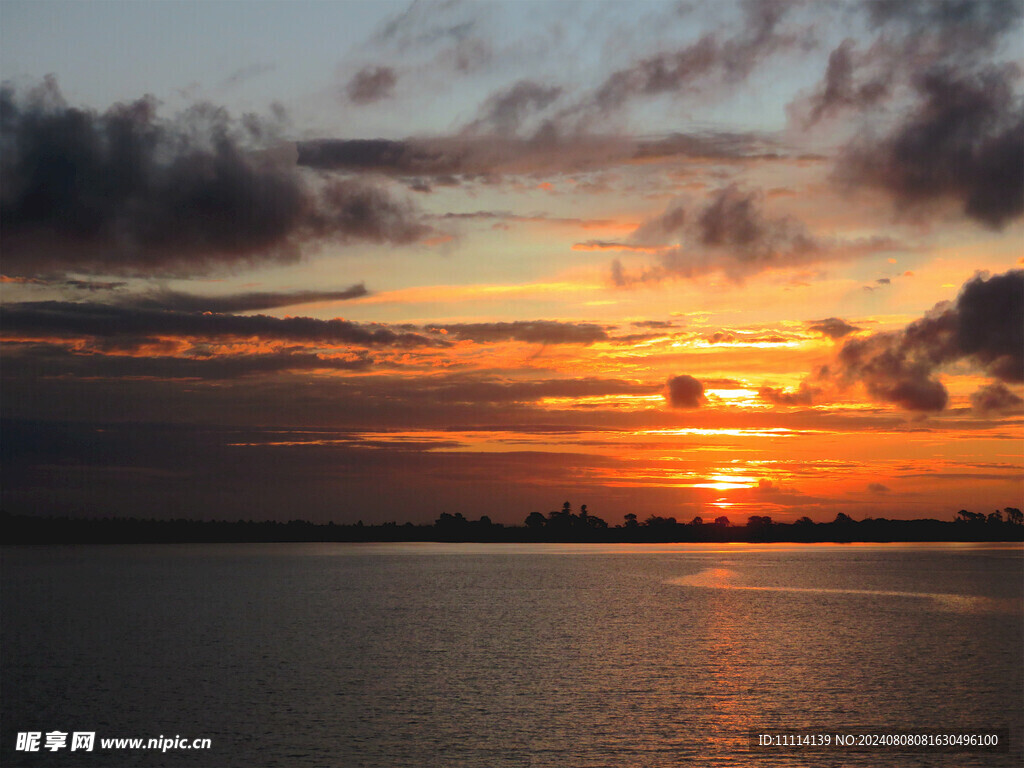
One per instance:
(509, 655)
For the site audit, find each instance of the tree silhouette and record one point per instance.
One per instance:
(974, 518)
(536, 521)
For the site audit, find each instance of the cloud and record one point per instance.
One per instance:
(666, 225)
(186, 315)
(898, 367)
(655, 324)
(238, 302)
(530, 332)
(244, 74)
(962, 27)
(505, 111)
(840, 90)
(996, 398)
(990, 324)
(549, 152)
(424, 24)
(351, 209)
(125, 191)
(74, 320)
(731, 234)
(733, 220)
(371, 84)
(833, 327)
(80, 285)
(984, 328)
(54, 360)
(940, 114)
(684, 392)
(963, 142)
(712, 58)
(804, 395)
(877, 488)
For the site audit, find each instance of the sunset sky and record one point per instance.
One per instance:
(341, 261)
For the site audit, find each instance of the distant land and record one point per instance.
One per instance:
(559, 526)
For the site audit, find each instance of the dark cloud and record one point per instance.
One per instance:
(964, 142)
(371, 84)
(94, 285)
(996, 398)
(984, 328)
(185, 315)
(833, 327)
(238, 302)
(990, 324)
(505, 111)
(444, 159)
(535, 332)
(380, 155)
(49, 360)
(958, 26)
(898, 367)
(75, 284)
(351, 209)
(685, 392)
(960, 134)
(877, 488)
(74, 320)
(126, 191)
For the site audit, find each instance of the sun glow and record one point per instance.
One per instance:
(727, 482)
(722, 432)
(736, 398)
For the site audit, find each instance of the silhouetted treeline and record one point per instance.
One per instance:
(562, 525)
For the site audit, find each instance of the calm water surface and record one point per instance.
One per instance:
(388, 655)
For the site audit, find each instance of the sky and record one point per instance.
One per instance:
(379, 261)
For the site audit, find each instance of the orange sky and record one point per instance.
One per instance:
(785, 280)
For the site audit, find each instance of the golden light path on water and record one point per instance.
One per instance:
(724, 578)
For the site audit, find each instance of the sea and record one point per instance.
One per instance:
(512, 655)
